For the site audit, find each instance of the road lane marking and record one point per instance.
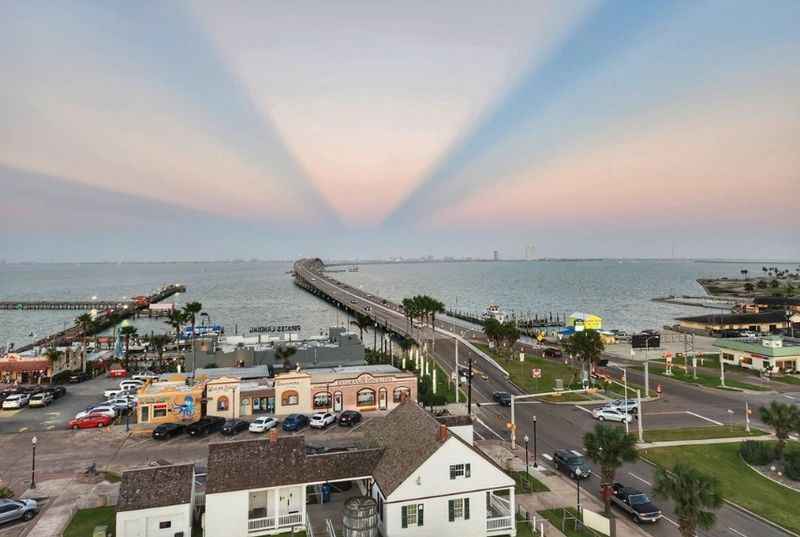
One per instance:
(645, 481)
(715, 422)
(670, 520)
(737, 532)
(584, 409)
(547, 456)
(479, 435)
(488, 428)
(788, 397)
(23, 429)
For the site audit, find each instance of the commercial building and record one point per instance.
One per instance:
(36, 368)
(771, 353)
(415, 475)
(764, 322)
(156, 502)
(777, 303)
(584, 321)
(169, 401)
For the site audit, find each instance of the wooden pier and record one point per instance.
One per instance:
(51, 305)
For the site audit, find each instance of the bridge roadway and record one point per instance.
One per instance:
(558, 426)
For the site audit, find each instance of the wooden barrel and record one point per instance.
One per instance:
(360, 518)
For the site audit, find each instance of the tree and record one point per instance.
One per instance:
(432, 307)
(283, 353)
(748, 286)
(362, 322)
(609, 447)
(587, 345)
(127, 332)
(405, 344)
(694, 494)
(774, 284)
(509, 334)
(176, 319)
(493, 330)
(744, 272)
(190, 312)
(159, 341)
(86, 324)
(784, 418)
(53, 354)
(762, 284)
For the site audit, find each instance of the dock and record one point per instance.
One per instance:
(52, 305)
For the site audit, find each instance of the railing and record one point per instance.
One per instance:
(292, 519)
(199, 499)
(499, 523)
(331, 529)
(500, 505)
(309, 528)
(273, 522)
(260, 524)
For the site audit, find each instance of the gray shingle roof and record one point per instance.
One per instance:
(454, 421)
(155, 487)
(254, 464)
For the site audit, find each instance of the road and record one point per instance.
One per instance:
(563, 426)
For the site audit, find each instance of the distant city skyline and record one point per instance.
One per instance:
(193, 130)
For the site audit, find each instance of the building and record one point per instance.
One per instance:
(495, 255)
(764, 322)
(584, 321)
(771, 353)
(169, 401)
(339, 348)
(36, 368)
(423, 480)
(156, 502)
(777, 303)
(362, 388)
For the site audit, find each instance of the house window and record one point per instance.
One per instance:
(459, 470)
(412, 515)
(322, 400)
(258, 505)
(290, 398)
(159, 412)
(401, 394)
(165, 525)
(365, 397)
(222, 403)
(145, 413)
(458, 509)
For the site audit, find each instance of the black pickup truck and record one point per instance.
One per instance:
(635, 503)
(205, 426)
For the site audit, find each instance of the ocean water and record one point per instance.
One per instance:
(242, 295)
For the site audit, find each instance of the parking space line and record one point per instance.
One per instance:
(645, 481)
(488, 428)
(584, 409)
(737, 532)
(715, 422)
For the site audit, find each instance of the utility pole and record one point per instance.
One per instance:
(641, 415)
(469, 388)
(458, 372)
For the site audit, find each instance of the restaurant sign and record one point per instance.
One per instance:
(275, 329)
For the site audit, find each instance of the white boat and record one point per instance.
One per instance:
(493, 311)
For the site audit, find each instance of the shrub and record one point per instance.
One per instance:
(791, 465)
(6, 492)
(757, 453)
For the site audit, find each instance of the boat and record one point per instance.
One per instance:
(493, 311)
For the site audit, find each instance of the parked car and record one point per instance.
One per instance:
(144, 376)
(77, 378)
(320, 420)
(572, 463)
(637, 504)
(502, 398)
(122, 406)
(90, 421)
(234, 427)
(57, 391)
(100, 410)
(207, 425)
(294, 422)
(16, 400)
(131, 384)
(348, 418)
(263, 424)
(41, 399)
(17, 510)
(610, 413)
(168, 430)
(631, 405)
(550, 352)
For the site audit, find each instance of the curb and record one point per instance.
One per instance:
(753, 468)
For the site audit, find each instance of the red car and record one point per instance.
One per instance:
(90, 422)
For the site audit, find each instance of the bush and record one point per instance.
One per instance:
(791, 465)
(757, 453)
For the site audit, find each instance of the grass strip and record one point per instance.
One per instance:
(85, 520)
(699, 433)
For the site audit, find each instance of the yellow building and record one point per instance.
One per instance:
(585, 320)
(169, 401)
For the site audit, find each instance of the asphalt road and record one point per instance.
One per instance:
(563, 426)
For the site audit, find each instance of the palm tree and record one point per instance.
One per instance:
(86, 323)
(283, 354)
(53, 354)
(586, 345)
(127, 332)
(609, 447)
(176, 319)
(694, 495)
(784, 418)
(744, 272)
(362, 322)
(432, 307)
(159, 341)
(190, 312)
(405, 344)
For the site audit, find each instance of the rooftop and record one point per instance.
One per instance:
(160, 486)
(324, 374)
(737, 318)
(789, 346)
(258, 371)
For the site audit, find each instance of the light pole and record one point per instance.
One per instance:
(578, 474)
(34, 441)
(526, 454)
(535, 464)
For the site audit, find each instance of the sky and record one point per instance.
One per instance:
(587, 128)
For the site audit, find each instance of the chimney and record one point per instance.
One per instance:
(442, 434)
(273, 436)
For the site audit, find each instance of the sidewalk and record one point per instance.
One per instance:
(674, 443)
(563, 491)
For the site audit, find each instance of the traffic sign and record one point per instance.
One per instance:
(536, 373)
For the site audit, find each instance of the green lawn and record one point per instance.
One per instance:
(520, 372)
(556, 517)
(788, 379)
(705, 379)
(526, 483)
(524, 528)
(740, 484)
(699, 433)
(85, 520)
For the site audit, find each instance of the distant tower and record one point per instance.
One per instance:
(530, 252)
(496, 256)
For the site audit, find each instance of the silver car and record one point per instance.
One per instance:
(17, 509)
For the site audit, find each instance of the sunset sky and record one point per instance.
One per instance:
(207, 130)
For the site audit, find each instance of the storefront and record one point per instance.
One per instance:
(38, 369)
(222, 397)
(169, 401)
(256, 399)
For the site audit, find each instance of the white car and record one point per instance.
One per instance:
(41, 399)
(631, 405)
(17, 400)
(321, 420)
(110, 394)
(103, 410)
(612, 414)
(122, 402)
(263, 424)
(130, 385)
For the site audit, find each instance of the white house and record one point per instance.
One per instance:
(423, 479)
(156, 502)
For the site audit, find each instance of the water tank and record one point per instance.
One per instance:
(360, 518)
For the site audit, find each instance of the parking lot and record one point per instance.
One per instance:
(60, 411)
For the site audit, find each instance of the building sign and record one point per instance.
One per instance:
(278, 329)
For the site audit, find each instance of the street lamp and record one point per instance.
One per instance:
(34, 441)
(578, 474)
(535, 464)
(526, 454)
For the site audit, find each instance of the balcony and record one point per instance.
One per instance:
(499, 514)
(499, 523)
(287, 520)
